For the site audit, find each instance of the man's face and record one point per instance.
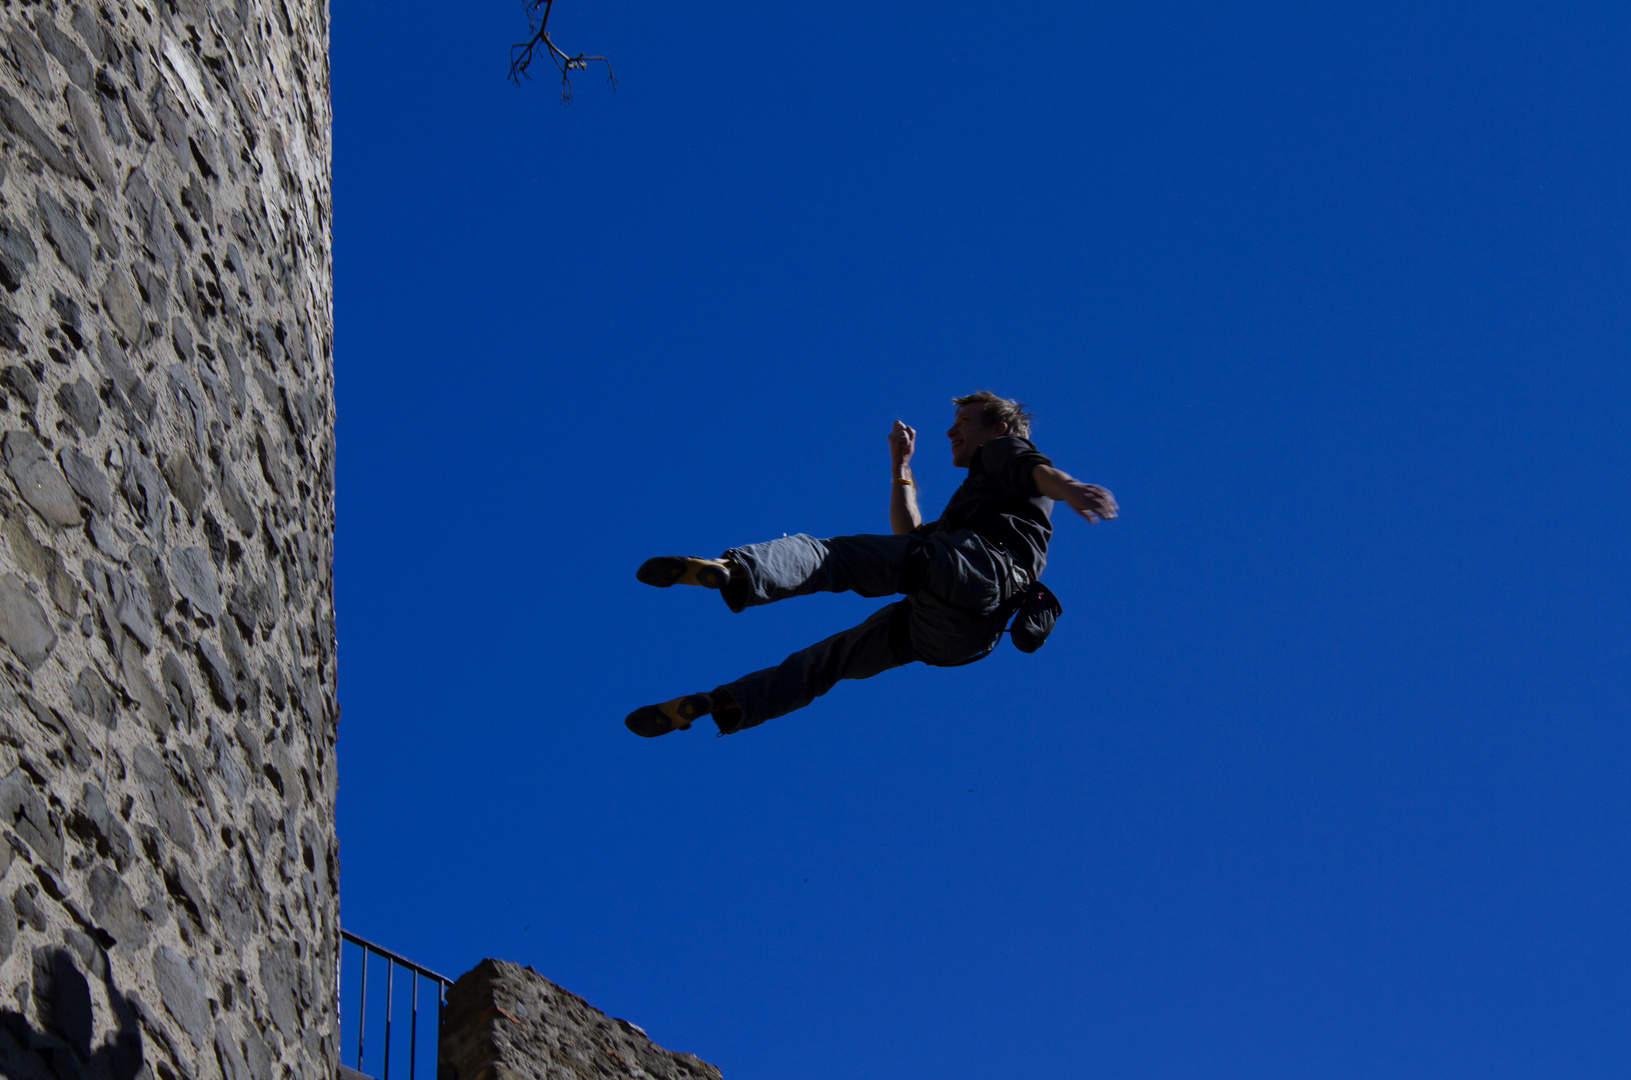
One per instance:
(968, 433)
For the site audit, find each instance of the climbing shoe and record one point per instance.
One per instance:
(666, 570)
(651, 721)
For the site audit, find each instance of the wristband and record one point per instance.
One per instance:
(904, 481)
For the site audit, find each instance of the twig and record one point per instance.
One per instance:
(522, 54)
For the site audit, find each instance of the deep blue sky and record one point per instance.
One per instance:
(1324, 772)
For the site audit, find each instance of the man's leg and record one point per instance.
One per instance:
(857, 653)
(791, 566)
(868, 564)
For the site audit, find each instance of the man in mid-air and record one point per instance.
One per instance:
(961, 574)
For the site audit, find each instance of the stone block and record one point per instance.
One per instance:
(86, 480)
(17, 254)
(78, 402)
(24, 625)
(23, 809)
(182, 992)
(38, 481)
(91, 697)
(194, 578)
(22, 124)
(67, 236)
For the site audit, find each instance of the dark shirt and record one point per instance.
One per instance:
(999, 501)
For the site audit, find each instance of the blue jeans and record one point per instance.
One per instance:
(956, 586)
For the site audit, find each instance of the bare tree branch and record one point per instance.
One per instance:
(522, 54)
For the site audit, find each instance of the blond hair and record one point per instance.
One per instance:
(996, 410)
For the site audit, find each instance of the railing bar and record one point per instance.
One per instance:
(413, 1025)
(362, 1009)
(395, 957)
(390, 981)
(339, 998)
(392, 960)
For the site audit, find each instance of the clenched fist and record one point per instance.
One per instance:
(902, 441)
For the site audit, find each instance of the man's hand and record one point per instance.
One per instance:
(1089, 500)
(902, 441)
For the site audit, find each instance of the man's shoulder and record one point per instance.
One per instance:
(998, 452)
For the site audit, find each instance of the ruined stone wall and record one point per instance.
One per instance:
(507, 1022)
(167, 719)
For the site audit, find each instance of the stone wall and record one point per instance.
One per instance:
(507, 1022)
(167, 718)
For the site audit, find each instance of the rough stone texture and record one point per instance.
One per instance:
(168, 865)
(507, 1022)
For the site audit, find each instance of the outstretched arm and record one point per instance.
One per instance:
(1089, 500)
(903, 513)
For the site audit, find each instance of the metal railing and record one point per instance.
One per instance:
(393, 961)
